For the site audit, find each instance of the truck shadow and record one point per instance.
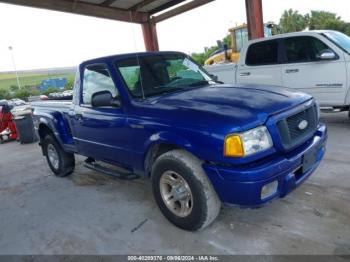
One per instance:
(335, 118)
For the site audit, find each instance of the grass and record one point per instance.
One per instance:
(28, 79)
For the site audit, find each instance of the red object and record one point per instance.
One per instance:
(254, 19)
(7, 123)
(43, 97)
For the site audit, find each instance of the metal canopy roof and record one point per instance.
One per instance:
(148, 6)
(143, 12)
(135, 11)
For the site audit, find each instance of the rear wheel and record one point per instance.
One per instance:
(183, 192)
(60, 162)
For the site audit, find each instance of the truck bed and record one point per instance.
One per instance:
(52, 104)
(59, 109)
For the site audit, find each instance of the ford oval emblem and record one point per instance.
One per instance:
(303, 124)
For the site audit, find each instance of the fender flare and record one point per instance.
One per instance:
(164, 138)
(48, 121)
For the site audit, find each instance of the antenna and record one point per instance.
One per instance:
(14, 66)
(137, 55)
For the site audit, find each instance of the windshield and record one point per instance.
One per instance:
(340, 39)
(150, 75)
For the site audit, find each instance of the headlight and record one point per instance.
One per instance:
(247, 143)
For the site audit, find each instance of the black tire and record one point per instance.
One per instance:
(66, 161)
(205, 204)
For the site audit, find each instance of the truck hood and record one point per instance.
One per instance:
(245, 106)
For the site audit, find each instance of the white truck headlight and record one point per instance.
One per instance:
(247, 143)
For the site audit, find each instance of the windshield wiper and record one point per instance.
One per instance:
(164, 92)
(199, 83)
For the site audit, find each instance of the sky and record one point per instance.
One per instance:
(49, 39)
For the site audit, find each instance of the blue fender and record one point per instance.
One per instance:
(168, 138)
(56, 124)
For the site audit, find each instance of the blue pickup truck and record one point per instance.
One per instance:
(202, 143)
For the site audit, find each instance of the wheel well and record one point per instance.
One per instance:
(154, 153)
(43, 131)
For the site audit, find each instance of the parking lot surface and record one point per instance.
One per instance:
(90, 213)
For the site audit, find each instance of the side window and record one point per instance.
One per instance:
(319, 46)
(262, 53)
(303, 49)
(97, 78)
(131, 75)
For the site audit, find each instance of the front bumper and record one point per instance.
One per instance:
(243, 185)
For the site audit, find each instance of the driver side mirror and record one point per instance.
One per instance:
(327, 55)
(214, 77)
(104, 98)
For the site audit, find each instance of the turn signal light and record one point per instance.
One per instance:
(233, 146)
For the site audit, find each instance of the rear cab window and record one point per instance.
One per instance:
(96, 78)
(262, 53)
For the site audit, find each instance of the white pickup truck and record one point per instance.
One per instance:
(315, 62)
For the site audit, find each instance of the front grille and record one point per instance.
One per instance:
(290, 132)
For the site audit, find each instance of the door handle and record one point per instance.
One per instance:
(71, 113)
(244, 74)
(289, 71)
(79, 117)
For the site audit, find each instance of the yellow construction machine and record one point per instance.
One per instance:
(239, 36)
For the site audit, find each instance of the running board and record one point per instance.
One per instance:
(121, 173)
(333, 110)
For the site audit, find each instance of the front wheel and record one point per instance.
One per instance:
(183, 192)
(60, 162)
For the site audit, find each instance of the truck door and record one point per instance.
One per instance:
(261, 65)
(100, 132)
(303, 70)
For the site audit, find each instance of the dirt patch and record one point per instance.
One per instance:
(15, 190)
(89, 179)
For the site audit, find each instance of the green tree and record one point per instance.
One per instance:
(208, 51)
(201, 57)
(325, 20)
(25, 92)
(4, 94)
(50, 90)
(69, 85)
(347, 28)
(227, 41)
(292, 21)
(34, 92)
(13, 88)
(22, 93)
